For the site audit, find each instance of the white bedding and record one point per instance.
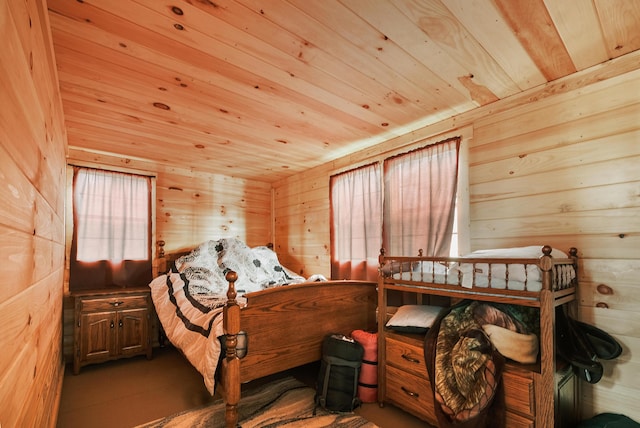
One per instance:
(481, 281)
(512, 276)
(190, 326)
(190, 297)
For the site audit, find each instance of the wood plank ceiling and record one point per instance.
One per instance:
(264, 89)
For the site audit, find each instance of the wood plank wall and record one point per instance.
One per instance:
(555, 165)
(32, 154)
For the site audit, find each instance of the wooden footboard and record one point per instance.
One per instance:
(285, 327)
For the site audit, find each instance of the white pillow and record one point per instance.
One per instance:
(419, 317)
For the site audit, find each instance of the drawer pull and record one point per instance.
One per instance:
(410, 359)
(410, 393)
(116, 304)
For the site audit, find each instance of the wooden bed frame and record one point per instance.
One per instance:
(285, 326)
(545, 393)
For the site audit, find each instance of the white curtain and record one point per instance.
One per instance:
(111, 212)
(420, 194)
(356, 223)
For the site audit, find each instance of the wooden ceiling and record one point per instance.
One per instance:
(262, 89)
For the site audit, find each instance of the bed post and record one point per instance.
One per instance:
(546, 266)
(231, 364)
(382, 320)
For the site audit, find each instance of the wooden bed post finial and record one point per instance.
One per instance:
(546, 266)
(231, 278)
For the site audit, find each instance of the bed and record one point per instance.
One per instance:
(238, 315)
(535, 280)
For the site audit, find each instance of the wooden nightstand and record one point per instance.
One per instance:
(111, 324)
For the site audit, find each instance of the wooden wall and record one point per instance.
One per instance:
(32, 155)
(555, 165)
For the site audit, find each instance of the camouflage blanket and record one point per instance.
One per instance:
(464, 365)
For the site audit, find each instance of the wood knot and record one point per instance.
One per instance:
(604, 289)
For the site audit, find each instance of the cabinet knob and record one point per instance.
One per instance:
(112, 324)
(116, 304)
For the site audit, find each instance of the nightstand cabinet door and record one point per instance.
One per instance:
(111, 325)
(133, 331)
(97, 331)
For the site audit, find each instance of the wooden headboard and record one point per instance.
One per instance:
(165, 259)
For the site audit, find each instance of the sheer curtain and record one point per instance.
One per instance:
(420, 194)
(356, 223)
(111, 239)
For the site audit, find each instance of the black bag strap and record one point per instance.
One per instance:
(574, 347)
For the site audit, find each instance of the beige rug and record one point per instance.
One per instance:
(283, 403)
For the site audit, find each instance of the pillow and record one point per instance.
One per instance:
(414, 318)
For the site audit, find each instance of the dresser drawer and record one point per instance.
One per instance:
(410, 392)
(406, 357)
(514, 420)
(519, 392)
(105, 303)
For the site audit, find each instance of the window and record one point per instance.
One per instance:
(418, 211)
(420, 197)
(356, 223)
(111, 243)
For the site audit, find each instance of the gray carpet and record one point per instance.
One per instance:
(282, 403)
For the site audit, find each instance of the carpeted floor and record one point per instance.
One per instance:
(131, 392)
(286, 403)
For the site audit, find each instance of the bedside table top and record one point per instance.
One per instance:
(110, 291)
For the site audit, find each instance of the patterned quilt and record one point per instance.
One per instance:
(258, 268)
(189, 298)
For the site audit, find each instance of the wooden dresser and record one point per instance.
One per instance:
(408, 387)
(543, 394)
(111, 324)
